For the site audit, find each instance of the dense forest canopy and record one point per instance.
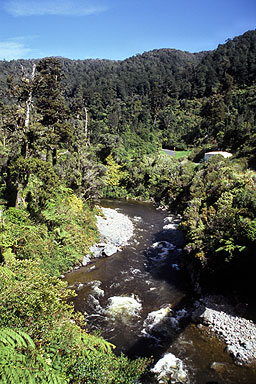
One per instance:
(164, 97)
(73, 131)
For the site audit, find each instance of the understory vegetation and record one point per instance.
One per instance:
(72, 132)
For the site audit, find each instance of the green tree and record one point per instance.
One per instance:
(51, 106)
(113, 174)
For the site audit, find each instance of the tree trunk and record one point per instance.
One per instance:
(29, 100)
(49, 155)
(19, 197)
(87, 137)
(28, 111)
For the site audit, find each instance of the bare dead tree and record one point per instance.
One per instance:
(86, 132)
(29, 99)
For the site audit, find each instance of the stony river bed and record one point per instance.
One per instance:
(137, 297)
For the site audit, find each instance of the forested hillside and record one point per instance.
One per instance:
(72, 132)
(164, 97)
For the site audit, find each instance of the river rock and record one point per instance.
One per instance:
(123, 308)
(160, 323)
(110, 249)
(114, 227)
(85, 261)
(115, 230)
(202, 315)
(96, 290)
(219, 367)
(170, 369)
(97, 249)
(79, 286)
(238, 333)
(170, 226)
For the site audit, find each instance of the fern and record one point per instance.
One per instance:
(97, 343)
(20, 362)
(6, 273)
(15, 339)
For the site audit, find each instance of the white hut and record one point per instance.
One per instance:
(207, 155)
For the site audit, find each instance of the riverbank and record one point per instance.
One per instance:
(220, 317)
(115, 230)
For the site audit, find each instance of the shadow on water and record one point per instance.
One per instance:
(148, 269)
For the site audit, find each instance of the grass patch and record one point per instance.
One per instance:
(179, 154)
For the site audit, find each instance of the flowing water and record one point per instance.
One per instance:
(132, 295)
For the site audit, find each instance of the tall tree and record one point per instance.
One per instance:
(52, 107)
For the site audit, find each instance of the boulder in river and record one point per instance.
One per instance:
(123, 308)
(170, 368)
(160, 322)
(110, 249)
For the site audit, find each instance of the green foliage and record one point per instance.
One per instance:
(20, 362)
(79, 170)
(155, 177)
(34, 180)
(107, 369)
(66, 231)
(5, 274)
(166, 96)
(180, 154)
(72, 225)
(17, 216)
(229, 247)
(32, 299)
(113, 176)
(113, 172)
(219, 221)
(51, 105)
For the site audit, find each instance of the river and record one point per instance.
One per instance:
(126, 295)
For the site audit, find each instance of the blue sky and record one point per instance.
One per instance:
(117, 29)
